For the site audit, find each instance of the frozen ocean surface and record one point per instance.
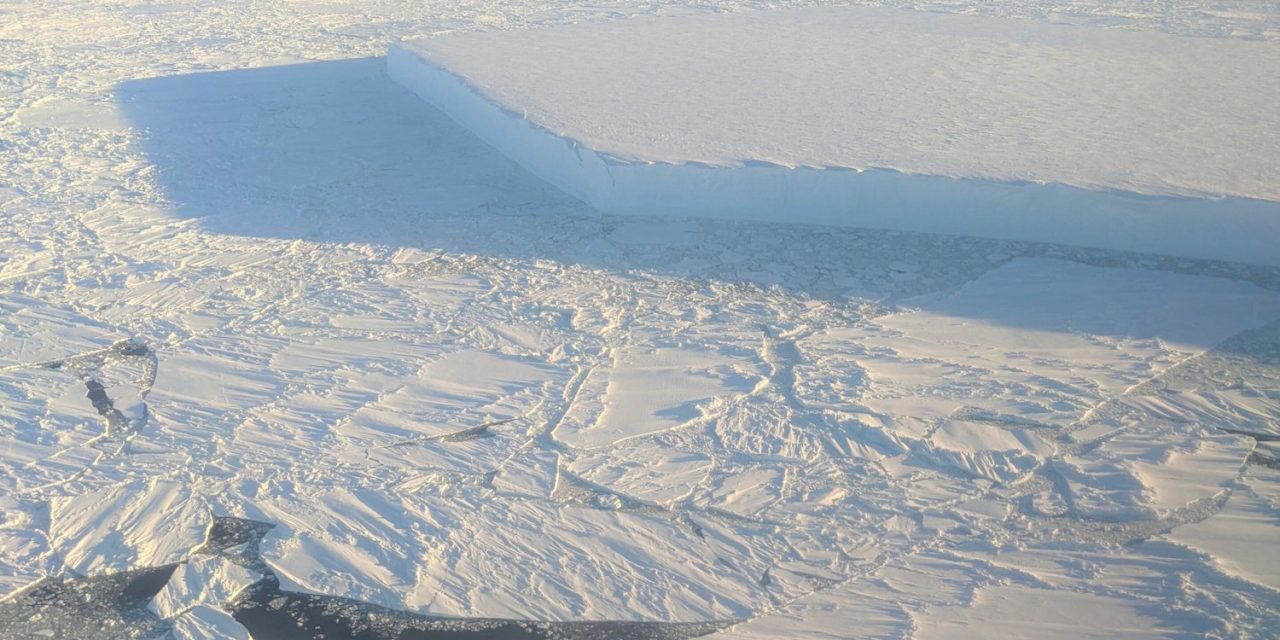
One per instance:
(281, 343)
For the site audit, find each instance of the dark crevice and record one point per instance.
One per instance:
(88, 367)
(116, 421)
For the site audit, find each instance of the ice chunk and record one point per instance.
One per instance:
(1023, 612)
(203, 622)
(201, 581)
(1241, 539)
(127, 525)
(885, 118)
(648, 391)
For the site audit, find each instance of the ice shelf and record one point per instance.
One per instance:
(872, 117)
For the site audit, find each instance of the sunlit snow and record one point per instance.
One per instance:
(285, 351)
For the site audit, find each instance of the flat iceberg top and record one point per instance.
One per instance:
(857, 87)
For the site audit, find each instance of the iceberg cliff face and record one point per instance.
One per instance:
(877, 118)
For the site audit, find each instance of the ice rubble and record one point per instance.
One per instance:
(729, 507)
(341, 390)
(882, 118)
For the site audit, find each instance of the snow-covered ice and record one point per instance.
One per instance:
(204, 622)
(202, 582)
(1241, 538)
(263, 312)
(923, 121)
(648, 391)
(1012, 613)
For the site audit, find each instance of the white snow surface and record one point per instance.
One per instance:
(201, 582)
(204, 622)
(887, 118)
(457, 391)
(919, 92)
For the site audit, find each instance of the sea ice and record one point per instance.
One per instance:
(201, 581)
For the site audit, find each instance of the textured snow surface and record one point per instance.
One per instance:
(202, 582)
(1012, 613)
(244, 273)
(1240, 537)
(208, 623)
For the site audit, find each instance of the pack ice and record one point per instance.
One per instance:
(287, 353)
(895, 119)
